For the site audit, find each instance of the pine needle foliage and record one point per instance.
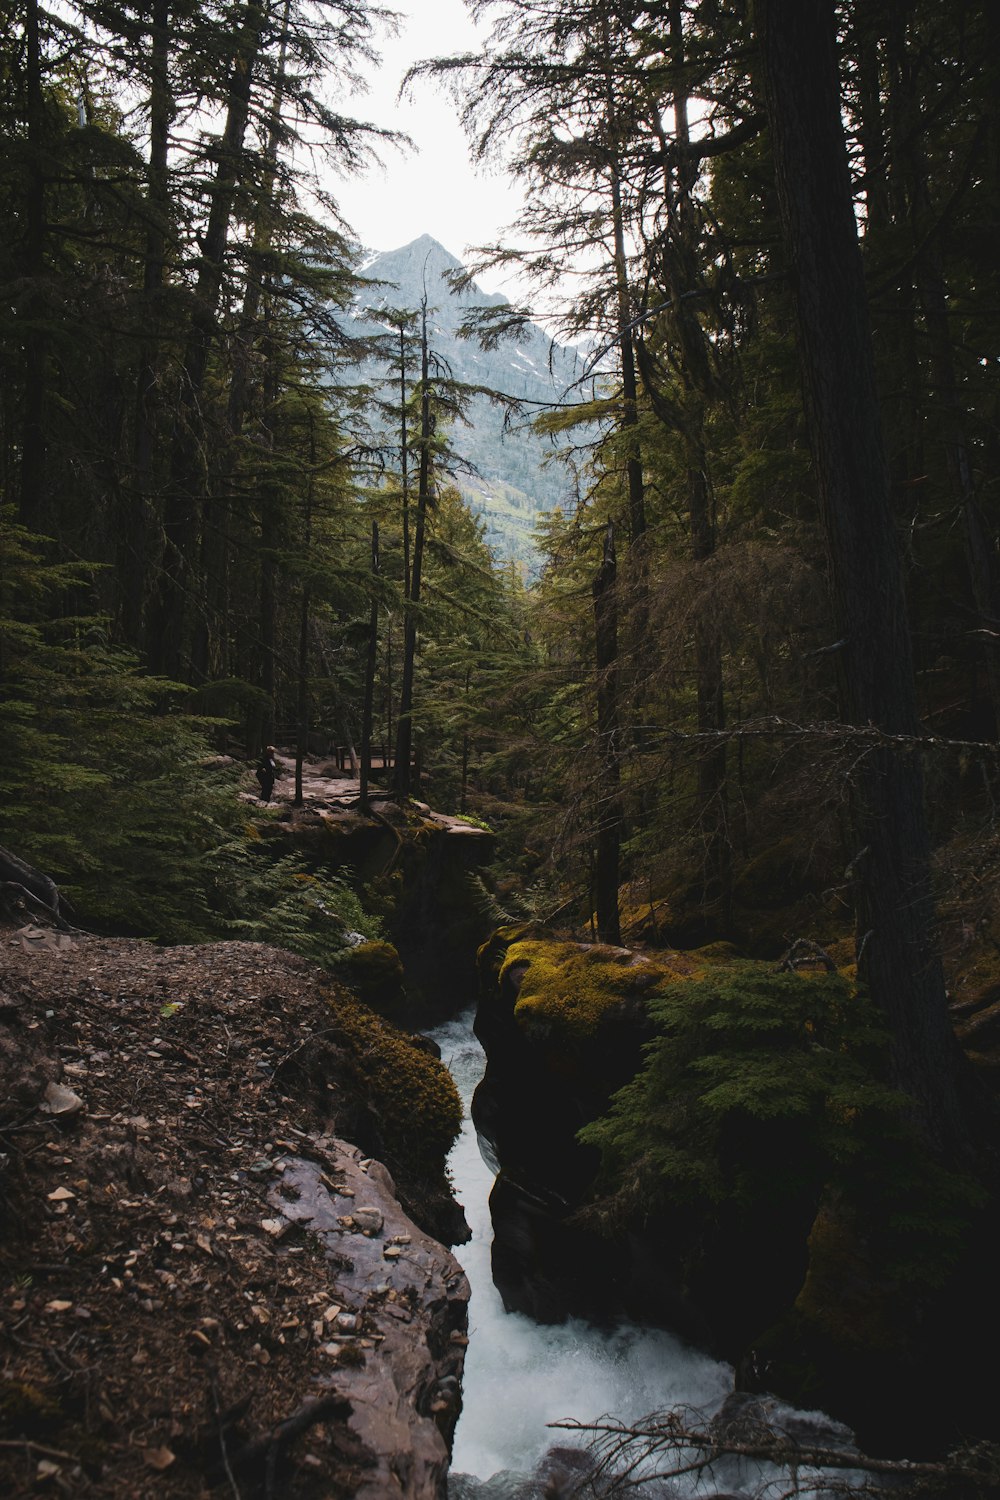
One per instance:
(113, 789)
(744, 1063)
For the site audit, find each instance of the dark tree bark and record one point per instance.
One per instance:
(305, 617)
(713, 797)
(626, 346)
(609, 814)
(172, 619)
(404, 731)
(133, 546)
(32, 476)
(370, 663)
(895, 912)
(404, 463)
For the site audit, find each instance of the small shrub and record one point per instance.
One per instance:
(737, 1052)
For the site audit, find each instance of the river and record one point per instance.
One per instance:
(521, 1375)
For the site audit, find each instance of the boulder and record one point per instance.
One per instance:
(563, 1025)
(404, 1297)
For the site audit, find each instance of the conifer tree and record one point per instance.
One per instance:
(894, 901)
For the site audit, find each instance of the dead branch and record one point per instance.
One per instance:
(869, 735)
(22, 882)
(623, 1451)
(804, 951)
(265, 1448)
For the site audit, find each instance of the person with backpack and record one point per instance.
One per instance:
(267, 770)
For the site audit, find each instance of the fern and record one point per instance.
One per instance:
(314, 913)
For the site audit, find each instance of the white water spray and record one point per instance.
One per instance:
(521, 1375)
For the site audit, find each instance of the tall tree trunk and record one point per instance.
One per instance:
(268, 608)
(32, 497)
(404, 731)
(133, 550)
(623, 300)
(713, 789)
(179, 596)
(372, 657)
(466, 747)
(885, 121)
(895, 913)
(212, 626)
(713, 797)
(404, 463)
(263, 235)
(609, 811)
(948, 411)
(302, 670)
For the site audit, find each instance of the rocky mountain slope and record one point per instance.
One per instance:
(517, 476)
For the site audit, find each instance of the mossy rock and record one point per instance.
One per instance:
(843, 952)
(645, 918)
(719, 952)
(572, 988)
(409, 1095)
(491, 956)
(844, 1297)
(375, 971)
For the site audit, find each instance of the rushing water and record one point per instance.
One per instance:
(521, 1375)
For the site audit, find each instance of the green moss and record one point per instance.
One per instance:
(843, 950)
(491, 956)
(375, 970)
(410, 1094)
(716, 953)
(572, 988)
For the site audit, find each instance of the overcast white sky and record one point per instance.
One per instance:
(435, 189)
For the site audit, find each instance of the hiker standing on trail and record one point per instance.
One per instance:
(266, 772)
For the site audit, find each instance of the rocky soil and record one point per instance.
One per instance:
(203, 1289)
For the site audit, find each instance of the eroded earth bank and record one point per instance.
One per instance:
(223, 1206)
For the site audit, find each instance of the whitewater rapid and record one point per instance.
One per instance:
(521, 1375)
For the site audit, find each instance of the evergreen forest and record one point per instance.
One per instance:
(748, 702)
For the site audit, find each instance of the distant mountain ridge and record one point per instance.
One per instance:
(515, 484)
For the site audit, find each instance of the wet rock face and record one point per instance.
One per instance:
(564, 1025)
(541, 1085)
(427, 868)
(549, 1074)
(560, 1472)
(397, 1327)
(443, 911)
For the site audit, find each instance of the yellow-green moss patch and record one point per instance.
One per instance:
(411, 1093)
(574, 988)
(375, 970)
